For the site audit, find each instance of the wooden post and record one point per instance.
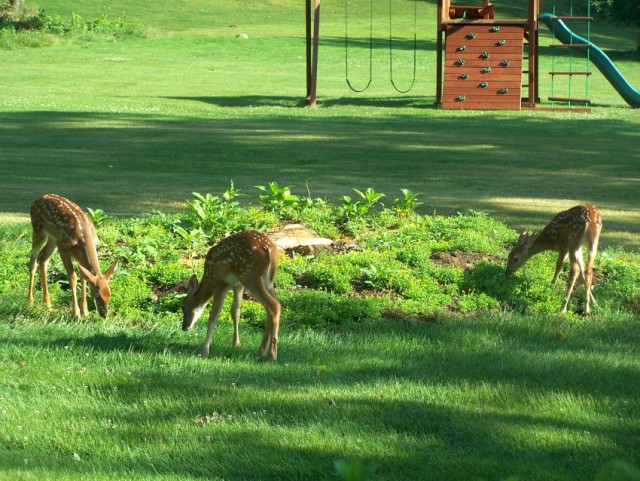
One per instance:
(312, 51)
(532, 28)
(441, 12)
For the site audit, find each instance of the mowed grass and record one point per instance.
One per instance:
(138, 125)
(455, 400)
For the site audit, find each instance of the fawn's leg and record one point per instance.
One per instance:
(267, 298)
(216, 307)
(43, 262)
(38, 241)
(73, 279)
(238, 291)
(591, 257)
(573, 276)
(84, 310)
(559, 263)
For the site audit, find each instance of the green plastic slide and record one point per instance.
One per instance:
(597, 57)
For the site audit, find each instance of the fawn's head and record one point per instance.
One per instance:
(100, 290)
(191, 308)
(520, 253)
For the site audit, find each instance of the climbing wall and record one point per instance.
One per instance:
(483, 67)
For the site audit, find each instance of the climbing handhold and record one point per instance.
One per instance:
(483, 84)
(505, 63)
(461, 48)
(471, 35)
(503, 90)
(464, 76)
(486, 70)
(485, 55)
(502, 42)
(460, 98)
(495, 28)
(460, 61)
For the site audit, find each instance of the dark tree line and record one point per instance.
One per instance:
(621, 12)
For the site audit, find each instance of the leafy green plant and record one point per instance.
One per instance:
(321, 217)
(31, 19)
(359, 207)
(407, 203)
(309, 307)
(130, 293)
(213, 216)
(329, 276)
(279, 200)
(376, 277)
(193, 240)
(97, 216)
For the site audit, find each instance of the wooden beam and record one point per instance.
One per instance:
(312, 34)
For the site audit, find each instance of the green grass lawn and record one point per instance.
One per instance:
(455, 400)
(138, 125)
(386, 357)
(418, 392)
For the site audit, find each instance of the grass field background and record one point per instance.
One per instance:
(137, 125)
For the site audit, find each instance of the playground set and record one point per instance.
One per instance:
(484, 62)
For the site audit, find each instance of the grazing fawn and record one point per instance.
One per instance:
(245, 259)
(567, 232)
(59, 223)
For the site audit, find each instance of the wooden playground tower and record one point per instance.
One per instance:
(483, 62)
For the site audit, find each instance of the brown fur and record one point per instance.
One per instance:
(245, 259)
(59, 223)
(567, 232)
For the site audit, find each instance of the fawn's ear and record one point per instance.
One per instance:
(524, 236)
(193, 285)
(88, 275)
(107, 275)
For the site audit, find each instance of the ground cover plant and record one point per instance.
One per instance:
(404, 354)
(409, 351)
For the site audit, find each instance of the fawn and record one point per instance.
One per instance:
(59, 223)
(567, 232)
(245, 259)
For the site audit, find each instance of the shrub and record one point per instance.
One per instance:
(279, 200)
(210, 218)
(407, 204)
(359, 207)
(30, 27)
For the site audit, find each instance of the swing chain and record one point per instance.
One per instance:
(346, 47)
(415, 47)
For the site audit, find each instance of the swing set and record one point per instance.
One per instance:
(482, 62)
(312, 32)
(391, 61)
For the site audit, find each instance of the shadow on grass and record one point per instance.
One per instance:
(349, 395)
(450, 399)
(132, 163)
(281, 101)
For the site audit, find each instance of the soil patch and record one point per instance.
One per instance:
(400, 315)
(463, 260)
